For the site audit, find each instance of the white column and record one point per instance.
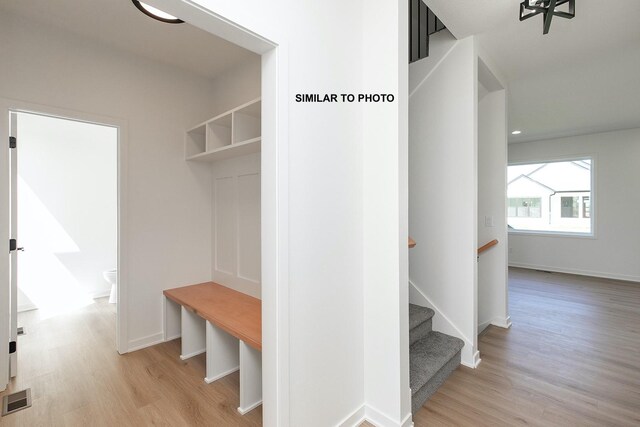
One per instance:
(250, 378)
(222, 353)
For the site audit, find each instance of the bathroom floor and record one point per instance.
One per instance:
(77, 378)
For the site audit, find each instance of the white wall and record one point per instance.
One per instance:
(614, 252)
(385, 216)
(442, 192)
(324, 212)
(67, 208)
(236, 86)
(492, 162)
(169, 200)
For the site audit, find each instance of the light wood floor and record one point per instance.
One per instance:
(571, 358)
(78, 379)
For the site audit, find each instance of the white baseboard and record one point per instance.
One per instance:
(375, 417)
(243, 411)
(175, 337)
(499, 322)
(603, 275)
(474, 361)
(380, 419)
(144, 342)
(482, 326)
(356, 418)
(190, 355)
(92, 295)
(224, 374)
(443, 324)
(408, 420)
(100, 294)
(502, 322)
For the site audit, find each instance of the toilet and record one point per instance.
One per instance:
(111, 276)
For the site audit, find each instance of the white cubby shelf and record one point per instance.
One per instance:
(234, 133)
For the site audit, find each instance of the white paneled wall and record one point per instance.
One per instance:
(236, 224)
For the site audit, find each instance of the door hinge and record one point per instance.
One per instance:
(13, 347)
(13, 245)
(13, 142)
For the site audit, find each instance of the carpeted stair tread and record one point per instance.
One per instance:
(418, 315)
(428, 355)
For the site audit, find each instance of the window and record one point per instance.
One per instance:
(586, 207)
(552, 197)
(569, 207)
(520, 207)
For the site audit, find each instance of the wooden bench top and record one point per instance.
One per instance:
(236, 313)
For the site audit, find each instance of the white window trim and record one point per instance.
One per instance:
(594, 199)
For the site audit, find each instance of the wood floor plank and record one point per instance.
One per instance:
(571, 358)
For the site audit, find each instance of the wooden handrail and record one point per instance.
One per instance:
(487, 246)
(412, 243)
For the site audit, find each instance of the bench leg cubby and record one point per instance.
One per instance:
(193, 334)
(172, 323)
(222, 354)
(250, 378)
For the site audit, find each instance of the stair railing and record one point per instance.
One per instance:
(422, 24)
(486, 247)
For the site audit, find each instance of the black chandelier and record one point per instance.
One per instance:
(530, 8)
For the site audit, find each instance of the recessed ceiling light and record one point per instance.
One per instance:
(516, 132)
(156, 13)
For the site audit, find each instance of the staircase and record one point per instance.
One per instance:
(433, 356)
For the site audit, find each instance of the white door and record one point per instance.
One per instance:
(14, 246)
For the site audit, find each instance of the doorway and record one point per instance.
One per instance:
(66, 214)
(63, 196)
(491, 272)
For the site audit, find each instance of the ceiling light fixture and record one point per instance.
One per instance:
(156, 13)
(516, 132)
(531, 8)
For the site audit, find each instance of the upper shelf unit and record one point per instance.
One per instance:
(231, 134)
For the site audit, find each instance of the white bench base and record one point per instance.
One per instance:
(250, 378)
(193, 334)
(222, 353)
(226, 354)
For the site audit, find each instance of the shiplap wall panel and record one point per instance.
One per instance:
(236, 224)
(248, 187)
(225, 225)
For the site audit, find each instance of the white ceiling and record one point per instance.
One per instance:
(582, 77)
(118, 24)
